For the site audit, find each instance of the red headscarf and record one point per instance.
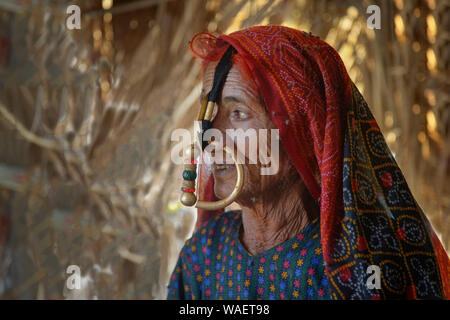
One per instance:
(366, 212)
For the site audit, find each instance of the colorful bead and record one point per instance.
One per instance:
(187, 189)
(189, 175)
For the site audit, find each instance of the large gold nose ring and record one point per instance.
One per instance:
(188, 197)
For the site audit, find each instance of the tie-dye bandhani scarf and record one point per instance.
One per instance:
(368, 215)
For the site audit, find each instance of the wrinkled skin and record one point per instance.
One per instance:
(274, 207)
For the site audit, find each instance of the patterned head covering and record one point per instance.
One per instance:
(368, 215)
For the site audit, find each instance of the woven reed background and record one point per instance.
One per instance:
(86, 117)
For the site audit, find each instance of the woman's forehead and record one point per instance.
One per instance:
(235, 83)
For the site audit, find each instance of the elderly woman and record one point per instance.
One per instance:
(337, 205)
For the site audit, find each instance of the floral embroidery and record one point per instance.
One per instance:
(292, 270)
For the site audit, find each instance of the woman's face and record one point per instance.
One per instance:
(240, 107)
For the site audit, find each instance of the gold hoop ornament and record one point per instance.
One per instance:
(189, 198)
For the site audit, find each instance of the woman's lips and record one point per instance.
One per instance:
(223, 169)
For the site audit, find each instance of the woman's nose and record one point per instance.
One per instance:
(219, 122)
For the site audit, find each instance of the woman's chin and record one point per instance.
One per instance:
(220, 194)
(224, 185)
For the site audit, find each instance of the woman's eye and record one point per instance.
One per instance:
(238, 115)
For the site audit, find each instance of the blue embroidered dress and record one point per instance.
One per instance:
(213, 264)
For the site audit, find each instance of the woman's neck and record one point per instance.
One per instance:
(275, 218)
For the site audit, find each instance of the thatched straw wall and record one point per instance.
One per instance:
(86, 117)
